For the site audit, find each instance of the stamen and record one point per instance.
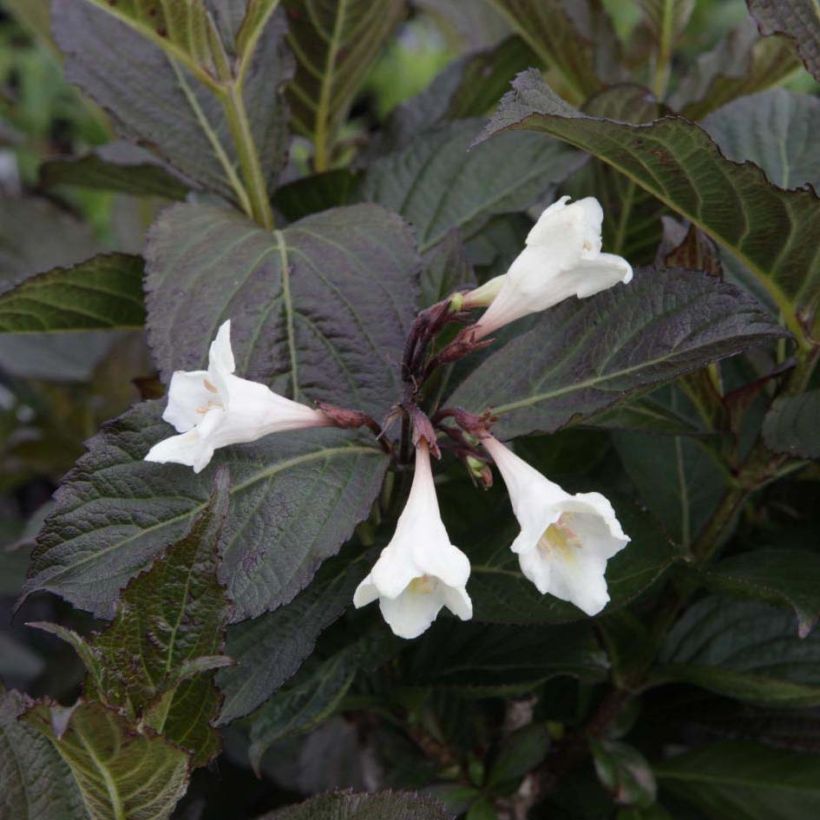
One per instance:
(209, 386)
(559, 537)
(423, 585)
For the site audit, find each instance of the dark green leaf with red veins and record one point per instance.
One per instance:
(587, 354)
(349, 806)
(624, 772)
(741, 63)
(295, 498)
(775, 233)
(335, 45)
(102, 293)
(776, 130)
(481, 660)
(745, 650)
(35, 783)
(632, 223)
(119, 771)
(319, 310)
(744, 781)
(169, 630)
(568, 38)
(162, 98)
(439, 183)
(118, 166)
(792, 427)
(267, 651)
(788, 577)
(502, 595)
(798, 20)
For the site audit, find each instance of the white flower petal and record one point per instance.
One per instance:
(393, 571)
(579, 579)
(458, 602)
(188, 396)
(220, 354)
(411, 613)
(535, 567)
(365, 593)
(188, 448)
(591, 276)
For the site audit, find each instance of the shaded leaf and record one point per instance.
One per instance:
(117, 166)
(745, 650)
(35, 784)
(624, 772)
(773, 232)
(294, 500)
(776, 130)
(270, 649)
(780, 576)
(791, 425)
(797, 20)
(102, 292)
(446, 270)
(349, 806)
(170, 105)
(120, 772)
(438, 184)
(745, 781)
(319, 310)
(335, 45)
(584, 355)
(312, 194)
(741, 63)
(519, 754)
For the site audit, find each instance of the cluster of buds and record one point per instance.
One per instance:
(565, 540)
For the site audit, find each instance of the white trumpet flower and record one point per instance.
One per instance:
(419, 571)
(562, 258)
(565, 540)
(214, 408)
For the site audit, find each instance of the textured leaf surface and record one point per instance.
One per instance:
(269, 650)
(118, 166)
(318, 311)
(335, 44)
(776, 130)
(745, 650)
(773, 232)
(163, 105)
(741, 63)
(745, 781)
(395, 805)
(120, 773)
(294, 499)
(437, 183)
(787, 577)
(103, 292)
(501, 594)
(798, 20)
(550, 28)
(584, 355)
(35, 784)
(792, 427)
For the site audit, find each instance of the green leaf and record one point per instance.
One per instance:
(745, 782)
(551, 29)
(269, 650)
(117, 167)
(775, 130)
(295, 499)
(437, 183)
(520, 753)
(319, 310)
(791, 425)
(745, 650)
(585, 355)
(501, 594)
(741, 63)
(787, 577)
(479, 660)
(624, 772)
(773, 232)
(348, 806)
(446, 270)
(121, 773)
(105, 292)
(796, 19)
(667, 19)
(319, 192)
(35, 784)
(205, 128)
(335, 45)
